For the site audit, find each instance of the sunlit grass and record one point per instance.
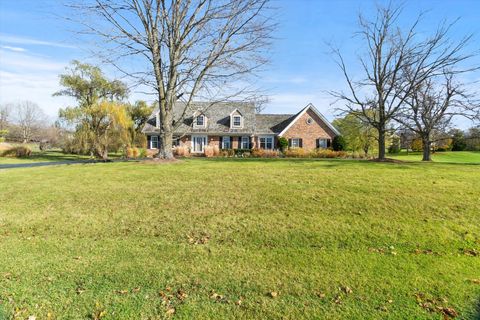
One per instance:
(205, 238)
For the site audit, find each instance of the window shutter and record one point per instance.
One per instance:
(148, 142)
(289, 143)
(329, 142)
(239, 142)
(317, 143)
(231, 142)
(301, 143)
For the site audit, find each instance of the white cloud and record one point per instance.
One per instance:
(16, 49)
(29, 41)
(25, 76)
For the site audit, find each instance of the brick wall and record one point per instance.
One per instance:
(309, 133)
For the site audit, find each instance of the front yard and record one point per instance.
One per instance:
(219, 238)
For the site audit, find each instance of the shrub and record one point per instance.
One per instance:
(283, 143)
(242, 152)
(227, 153)
(395, 146)
(327, 153)
(216, 151)
(458, 140)
(296, 153)
(208, 151)
(264, 153)
(142, 153)
(417, 144)
(132, 153)
(339, 143)
(19, 152)
(181, 151)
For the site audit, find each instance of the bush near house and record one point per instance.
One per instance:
(339, 143)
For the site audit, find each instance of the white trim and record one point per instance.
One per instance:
(266, 136)
(229, 142)
(241, 142)
(312, 107)
(198, 136)
(151, 142)
(239, 114)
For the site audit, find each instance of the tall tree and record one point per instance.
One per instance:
(191, 49)
(139, 113)
(360, 136)
(390, 51)
(29, 118)
(100, 118)
(432, 105)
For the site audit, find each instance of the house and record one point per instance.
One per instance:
(237, 125)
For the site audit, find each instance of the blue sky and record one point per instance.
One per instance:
(36, 45)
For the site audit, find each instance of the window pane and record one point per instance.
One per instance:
(200, 121)
(236, 121)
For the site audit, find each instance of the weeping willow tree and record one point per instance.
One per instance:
(100, 119)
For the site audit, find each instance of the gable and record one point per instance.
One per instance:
(309, 122)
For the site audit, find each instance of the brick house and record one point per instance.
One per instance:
(236, 125)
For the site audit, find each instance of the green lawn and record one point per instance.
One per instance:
(451, 156)
(213, 239)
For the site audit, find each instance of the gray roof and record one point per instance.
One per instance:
(218, 117)
(272, 123)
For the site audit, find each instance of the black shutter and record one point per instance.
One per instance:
(317, 143)
(231, 142)
(240, 142)
(148, 142)
(329, 143)
(301, 143)
(289, 143)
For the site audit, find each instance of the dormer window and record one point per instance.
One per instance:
(237, 121)
(200, 120)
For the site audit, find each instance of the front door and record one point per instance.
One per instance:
(199, 143)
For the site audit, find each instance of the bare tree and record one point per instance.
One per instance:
(378, 97)
(29, 118)
(192, 49)
(5, 111)
(432, 105)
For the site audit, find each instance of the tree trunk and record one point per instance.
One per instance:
(165, 145)
(426, 149)
(381, 145)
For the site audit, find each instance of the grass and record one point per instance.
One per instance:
(451, 156)
(333, 239)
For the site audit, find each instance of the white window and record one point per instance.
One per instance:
(200, 120)
(266, 142)
(295, 143)
(322, 143)
(237, 121)
(154, 142)
(245, 142)
(226, 143)
(198, 143)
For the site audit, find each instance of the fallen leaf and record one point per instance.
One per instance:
(32, 318)
(273, 294)
(136, 289)
(476, 281)
(346, 289)
(170, 311)
(121, 291)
